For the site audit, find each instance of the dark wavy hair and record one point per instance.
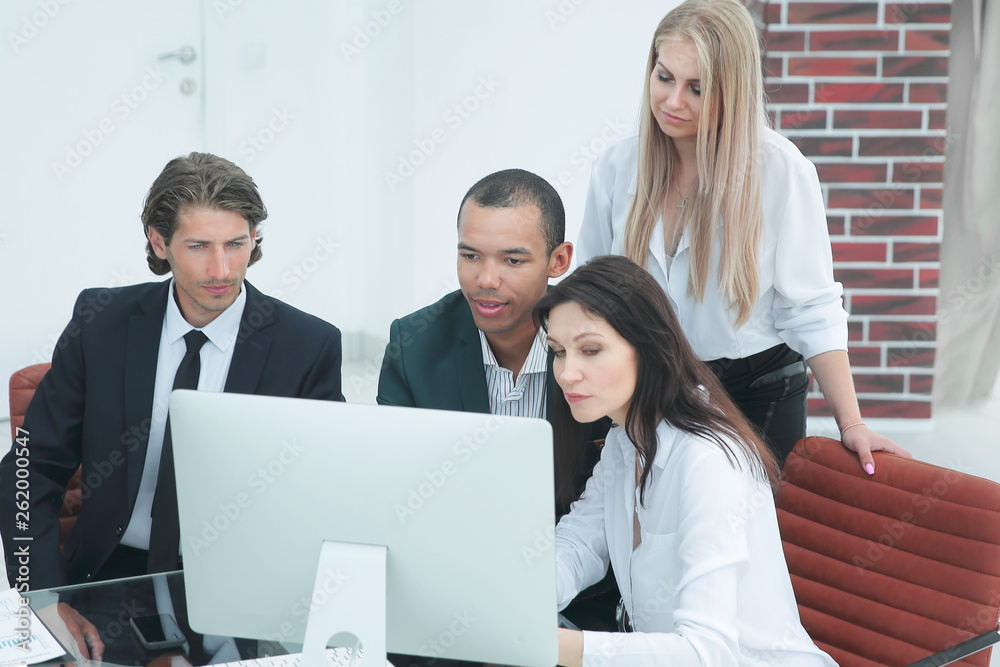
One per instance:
(513, 188)
(672, 384)
(199, 180)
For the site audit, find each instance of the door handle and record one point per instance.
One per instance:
(186, 54)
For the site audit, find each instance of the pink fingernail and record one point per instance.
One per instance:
(869, 468)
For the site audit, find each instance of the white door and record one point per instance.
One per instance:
(89, 90)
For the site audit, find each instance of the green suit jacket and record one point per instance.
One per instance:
(434, 360)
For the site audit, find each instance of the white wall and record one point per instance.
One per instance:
(555, 80)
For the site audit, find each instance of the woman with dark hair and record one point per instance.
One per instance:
(680, 503)
(728, 216)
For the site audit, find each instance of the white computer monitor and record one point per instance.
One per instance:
(463, 502)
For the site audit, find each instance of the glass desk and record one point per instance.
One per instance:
(109, 605)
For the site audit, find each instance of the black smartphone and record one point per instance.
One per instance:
(157, 632)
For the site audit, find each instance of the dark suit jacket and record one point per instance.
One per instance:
(93, 408)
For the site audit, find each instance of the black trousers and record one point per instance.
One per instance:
(770, 388)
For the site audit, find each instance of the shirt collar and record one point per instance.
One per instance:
(536, 362)
(222, 331)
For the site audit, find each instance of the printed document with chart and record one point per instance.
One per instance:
(24, 639)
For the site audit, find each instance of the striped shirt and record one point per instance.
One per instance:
(524, 397)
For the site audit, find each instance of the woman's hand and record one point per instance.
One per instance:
(570, 648)
(833, 373)
(863, 441)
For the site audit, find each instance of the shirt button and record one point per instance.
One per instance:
(118, 531)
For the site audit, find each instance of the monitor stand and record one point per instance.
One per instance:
(348, 603)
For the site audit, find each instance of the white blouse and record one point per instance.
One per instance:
(800, 303)
(708, 584)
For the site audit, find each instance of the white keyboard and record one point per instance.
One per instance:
(335, 657)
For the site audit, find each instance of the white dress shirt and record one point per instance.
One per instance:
(800, 303)
(525, 396)
(708, 584)
(215, 360)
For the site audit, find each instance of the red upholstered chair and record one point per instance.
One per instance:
(22, 387)
(891, 568)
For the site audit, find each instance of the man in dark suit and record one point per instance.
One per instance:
(477, 349)
(103, 404)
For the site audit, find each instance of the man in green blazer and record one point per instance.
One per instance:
(477, 349)
(454, 354)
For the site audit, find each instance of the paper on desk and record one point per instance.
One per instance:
(24, 640)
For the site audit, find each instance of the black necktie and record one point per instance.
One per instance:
(164, 532)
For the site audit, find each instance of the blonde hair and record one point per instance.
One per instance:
(729, 149)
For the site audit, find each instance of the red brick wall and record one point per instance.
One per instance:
(860, 87)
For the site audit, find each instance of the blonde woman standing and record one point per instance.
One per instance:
(728, 217)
